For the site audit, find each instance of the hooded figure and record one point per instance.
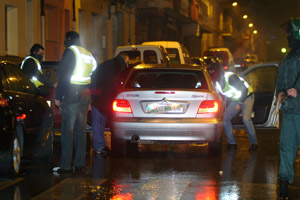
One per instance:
(288, 83)
(105, 83)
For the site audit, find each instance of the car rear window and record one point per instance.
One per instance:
(173, 55)
(134, 56)
(171, 79)
(150, 57)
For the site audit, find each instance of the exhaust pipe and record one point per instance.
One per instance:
(135, 138)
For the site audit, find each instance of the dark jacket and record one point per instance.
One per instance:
(105, 82)
(286, 77)
(64, 73)
(30, 69)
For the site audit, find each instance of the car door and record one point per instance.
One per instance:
(22, 95)
(262, 78)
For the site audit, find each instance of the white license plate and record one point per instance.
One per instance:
(164, 108)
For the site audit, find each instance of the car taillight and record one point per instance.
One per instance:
(3, 102)
(121, 105)
(208, 106)
(225, 67)
(22, 116)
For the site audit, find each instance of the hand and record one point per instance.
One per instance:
(57, 103)
(292, 92)
(55, 85)
(280, 97)
(237, 107)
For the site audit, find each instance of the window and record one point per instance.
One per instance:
(134, 56)
(162, 79)
(150, 57)
(11, 30)
(262, 79)
(17, 80)
(173, 55)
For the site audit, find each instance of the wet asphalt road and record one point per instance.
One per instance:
(162, 172)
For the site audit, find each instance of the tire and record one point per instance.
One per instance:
(11, 162)
(118, 147)
(46, 152)
(215, 148)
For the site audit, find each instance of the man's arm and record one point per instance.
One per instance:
(64, 72)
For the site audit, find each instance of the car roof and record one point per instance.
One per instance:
(139, 46)
(169, 66)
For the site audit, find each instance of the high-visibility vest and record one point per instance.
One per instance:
(230, 91)
(84, 67)
(34, 79)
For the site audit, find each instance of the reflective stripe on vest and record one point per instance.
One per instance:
(34, 79)
(85, 65)
(229, 90)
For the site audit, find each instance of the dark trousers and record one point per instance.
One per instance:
(74, 117)
(98, 127)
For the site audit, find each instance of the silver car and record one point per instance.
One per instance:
(167, 104)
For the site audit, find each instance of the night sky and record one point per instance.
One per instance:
(267, 16)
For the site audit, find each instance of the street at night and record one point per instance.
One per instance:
(162, 172)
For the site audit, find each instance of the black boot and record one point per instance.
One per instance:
(283, 190)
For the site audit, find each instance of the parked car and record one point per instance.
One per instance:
(262, 78)
(223, 54)
(167, 104)
(148, 54)
(177, 52)
(26, 121)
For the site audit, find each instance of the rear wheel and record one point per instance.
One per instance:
(215, 147)
(118, 147)
(11, 162)
(45, 153)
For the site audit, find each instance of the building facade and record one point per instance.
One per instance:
(102, 24)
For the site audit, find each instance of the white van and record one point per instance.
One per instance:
(177, 52)
(148, 54)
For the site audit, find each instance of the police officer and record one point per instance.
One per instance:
(241, 96)
(31, 66)
(72, 95)
(288, 82)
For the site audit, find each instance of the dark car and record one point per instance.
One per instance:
(26, 125)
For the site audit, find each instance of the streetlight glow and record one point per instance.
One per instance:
(255, 32)
(251, 25)
(234, 4)
(283, 50)
(245, 16)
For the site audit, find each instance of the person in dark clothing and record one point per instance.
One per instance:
(105, 81)
(31, 66)
(287, 89)
(72, 95)
(216, 71)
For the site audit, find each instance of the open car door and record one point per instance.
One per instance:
(262, 78)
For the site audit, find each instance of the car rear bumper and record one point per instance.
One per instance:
(167, 130)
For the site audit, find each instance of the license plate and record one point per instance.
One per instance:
(165, 108)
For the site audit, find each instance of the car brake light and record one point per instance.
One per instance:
(22, 116)
(208, 106)
(3, 102)
(122, 106)
(225, 67)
